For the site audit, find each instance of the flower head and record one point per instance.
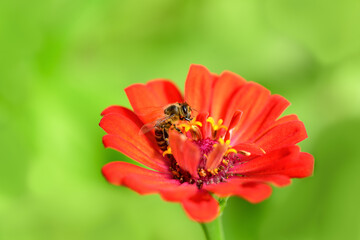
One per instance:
(237, 144)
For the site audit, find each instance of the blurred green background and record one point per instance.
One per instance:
(62, 62)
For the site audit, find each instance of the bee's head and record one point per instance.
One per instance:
(185, 112)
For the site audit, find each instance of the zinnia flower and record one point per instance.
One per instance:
(236, 145)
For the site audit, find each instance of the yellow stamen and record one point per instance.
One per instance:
(217, 126)
(198, 123)
(227, 144)
(190, 125)
(231, 150)
(167, 151)
(263, 150)
(244, 153)
(211, 121)
(185, 126)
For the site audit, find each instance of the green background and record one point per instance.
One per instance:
(63, 62)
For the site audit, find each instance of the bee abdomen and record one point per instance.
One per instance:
(159, 136)
(163, 145)
(158, 132)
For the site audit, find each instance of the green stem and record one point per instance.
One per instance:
(214, 230)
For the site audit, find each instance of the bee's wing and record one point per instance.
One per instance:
(150, 126)
(147, 128)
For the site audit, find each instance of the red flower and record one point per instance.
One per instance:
(237, 145)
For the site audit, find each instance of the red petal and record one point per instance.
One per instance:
(286, 161)
(224, 88)
(287, 118)
(201, 207)
(127, 125)
(123, 129)
(198, 88)
(133, 151)
(114, 123)
(178, 193)
(165, 91)
(139, 179)
(186, 153)
(282, 135)
(234, 124)
(116, 109)
(277, 180)
(206, 126)
(282, 120)
(250, 99)
(249, 147)
(152, 95)
(270, 163)
(140, 98)
(215, 156)
(302, 167)
(123, 112)
(272, 110)
(253, 192)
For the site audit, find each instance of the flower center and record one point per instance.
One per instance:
(205, 176)
(216, 155)
(205, 146)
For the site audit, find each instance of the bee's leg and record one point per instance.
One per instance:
(177, 129)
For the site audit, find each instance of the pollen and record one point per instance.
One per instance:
(225, 162)
(167, 151)
(202, 172)
(213, 171)
(175, 173)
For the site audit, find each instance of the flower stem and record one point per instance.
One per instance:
(214, 230)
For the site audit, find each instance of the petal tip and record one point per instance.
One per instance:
(201, 207)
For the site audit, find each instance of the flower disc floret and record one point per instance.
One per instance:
(216, 156)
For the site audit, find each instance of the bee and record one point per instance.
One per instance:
(172, 114)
